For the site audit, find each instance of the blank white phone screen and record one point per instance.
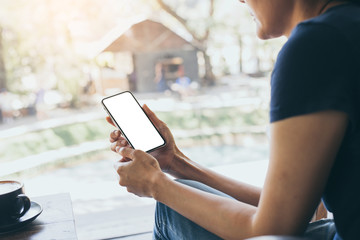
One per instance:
(133, 122)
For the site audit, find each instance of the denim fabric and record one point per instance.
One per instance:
(170, 225)
(323, 230)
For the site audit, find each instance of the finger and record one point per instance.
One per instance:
(109, 120)
(120, 164)
(152, 116)
(128, 152)
(119, 144)
(122, 142)
(121, 170)
(124, 160)
(114, 135)
(113, 146)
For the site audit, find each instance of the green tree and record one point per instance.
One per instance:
(41, 39)
(200, 36)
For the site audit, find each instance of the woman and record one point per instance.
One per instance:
(314, 139)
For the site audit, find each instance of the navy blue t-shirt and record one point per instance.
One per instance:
(319, 69)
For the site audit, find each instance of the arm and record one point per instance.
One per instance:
(241, 191)
(175, 163)
(303, 150)
(302, 153)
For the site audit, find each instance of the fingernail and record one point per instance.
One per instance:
(117, 149)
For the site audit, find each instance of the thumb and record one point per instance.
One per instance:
(152, 116)
(120, 164)
(126, 152)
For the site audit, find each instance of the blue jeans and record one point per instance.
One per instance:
(169, 225)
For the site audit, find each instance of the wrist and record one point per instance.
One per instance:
(184, 168)
(178, 163)
(160, 181)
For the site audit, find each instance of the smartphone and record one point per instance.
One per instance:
(127, 114)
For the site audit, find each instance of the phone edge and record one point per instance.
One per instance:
(119, 128)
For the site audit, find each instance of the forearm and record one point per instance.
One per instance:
(225, 217)
(187, 169)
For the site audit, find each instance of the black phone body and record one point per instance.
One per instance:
(132, 121)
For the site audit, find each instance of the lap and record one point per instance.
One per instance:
(171, 225)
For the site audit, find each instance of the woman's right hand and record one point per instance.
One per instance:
(166, 155)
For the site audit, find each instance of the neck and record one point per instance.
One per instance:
(324, 8)
(303, 13)
(330, 4)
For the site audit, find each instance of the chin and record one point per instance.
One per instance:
(266, 34)
(262, 35)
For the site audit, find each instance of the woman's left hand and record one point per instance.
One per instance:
(139, 173)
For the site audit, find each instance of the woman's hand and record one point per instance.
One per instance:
(140, 173)
(165, 155)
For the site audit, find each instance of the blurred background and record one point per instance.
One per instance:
(197, 64)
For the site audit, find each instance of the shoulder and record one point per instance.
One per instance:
(316, 48)
(315, 70)
(313, 51)
(314, 40)
(336, 31)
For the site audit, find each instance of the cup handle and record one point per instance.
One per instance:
(25, 203)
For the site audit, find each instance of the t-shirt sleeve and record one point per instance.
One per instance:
(314, 72)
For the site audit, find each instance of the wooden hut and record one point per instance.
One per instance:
(156, 53)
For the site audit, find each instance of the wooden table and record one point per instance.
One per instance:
(55, 222)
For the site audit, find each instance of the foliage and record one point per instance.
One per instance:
(46, 43)
(44, 40)
(70, 135)
(214, 118)
(225, 33)
(49, 139)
